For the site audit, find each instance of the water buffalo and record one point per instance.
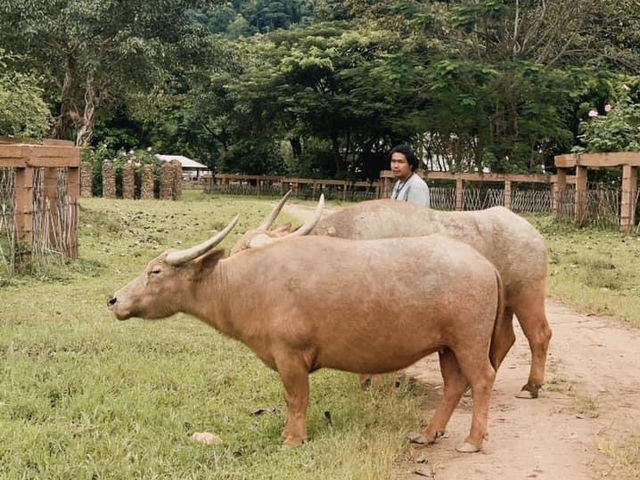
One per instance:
(511, 243)
(369, 306)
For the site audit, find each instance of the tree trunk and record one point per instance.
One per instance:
(84, 123)
(339, 163)
(63, 126)
(296, 147)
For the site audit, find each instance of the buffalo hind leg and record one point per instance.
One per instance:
(477, 369)
(295, 378)
(530, 309)
(455, 384)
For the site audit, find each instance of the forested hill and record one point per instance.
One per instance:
(324, 88)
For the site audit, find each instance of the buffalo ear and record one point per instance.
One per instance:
(210, 259)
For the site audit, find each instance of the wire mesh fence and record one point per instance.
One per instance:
(442, 198)
(304, 191)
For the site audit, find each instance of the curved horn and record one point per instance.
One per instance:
(309, 225)
(183, 256)
(266, 223)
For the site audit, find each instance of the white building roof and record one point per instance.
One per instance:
(186, 163)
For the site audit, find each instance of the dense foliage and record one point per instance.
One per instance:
(325, 88)
(23, 111)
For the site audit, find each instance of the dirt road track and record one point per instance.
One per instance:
(591, 399)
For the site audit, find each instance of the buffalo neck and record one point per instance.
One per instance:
(225, 298)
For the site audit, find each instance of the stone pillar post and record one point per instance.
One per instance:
(166, 181)
(86, 180)
(128, 181)
(176, 192)
(108, 180)
(146, 187)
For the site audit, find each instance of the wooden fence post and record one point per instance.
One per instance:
(559, 194)
(507, 194)
(73, 192)
(23, 217)
(581, 193)
(629, 189)
(50, 194)
(459, 195)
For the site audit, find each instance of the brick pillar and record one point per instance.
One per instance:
(176, 193)
(128, 181)
(86, 180)
(146, 188)
(108, 180)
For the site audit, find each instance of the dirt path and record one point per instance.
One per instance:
(591, 400)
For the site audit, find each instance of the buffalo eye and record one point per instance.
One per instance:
(156, 271)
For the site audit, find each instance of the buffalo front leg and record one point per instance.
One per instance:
(530, 310)
(295, 378)
(455, 384)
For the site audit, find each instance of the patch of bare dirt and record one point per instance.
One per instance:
(591, 399)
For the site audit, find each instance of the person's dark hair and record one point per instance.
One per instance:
(408, 153)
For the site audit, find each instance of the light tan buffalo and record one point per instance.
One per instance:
(361, 306)
(511, 243)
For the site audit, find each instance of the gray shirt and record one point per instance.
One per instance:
(414, 190)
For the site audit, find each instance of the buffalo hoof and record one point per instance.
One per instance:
(418, 439)
(467, 447)
(292, 443)
(365, 384)
(528, 392)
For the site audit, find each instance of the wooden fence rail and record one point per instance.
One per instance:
(460, 198)
(628, 161)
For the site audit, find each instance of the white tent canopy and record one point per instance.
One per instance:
(187, 163)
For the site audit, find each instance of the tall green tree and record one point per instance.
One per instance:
(93, 52)
(23, 111)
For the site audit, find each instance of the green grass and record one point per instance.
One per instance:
(84, 396)
(596, 271)
(592, 269)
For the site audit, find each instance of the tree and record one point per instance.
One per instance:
(23, 111)
(92, 52)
